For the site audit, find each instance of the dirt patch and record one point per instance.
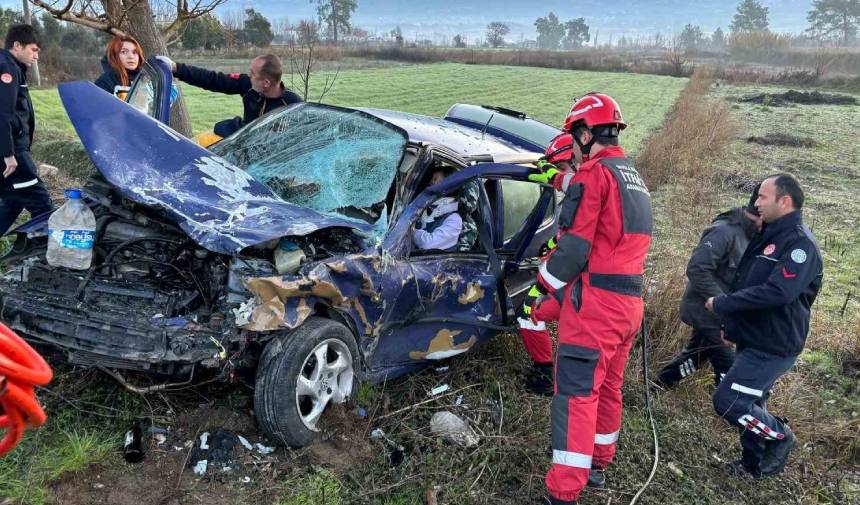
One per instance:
(799, 97)
(782, 139)
(347, 445)
(166, 476)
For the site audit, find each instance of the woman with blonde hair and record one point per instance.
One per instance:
(121, 65)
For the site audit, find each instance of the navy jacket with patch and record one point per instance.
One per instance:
(17, 119)
(776, 283)
(254, 104)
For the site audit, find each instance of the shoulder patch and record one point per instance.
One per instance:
(770, 249)
(235, 75)
(6, 77)
(798, 256)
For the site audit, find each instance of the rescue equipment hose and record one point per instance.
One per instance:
(650, 413)
(21, 369)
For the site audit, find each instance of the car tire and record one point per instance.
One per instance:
(299, 375)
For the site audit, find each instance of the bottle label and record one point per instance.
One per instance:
(74, 239)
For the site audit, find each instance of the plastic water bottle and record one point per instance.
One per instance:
(71, 232)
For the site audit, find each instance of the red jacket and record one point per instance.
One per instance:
(605, 226)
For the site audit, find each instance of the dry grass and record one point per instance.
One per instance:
(697, 130)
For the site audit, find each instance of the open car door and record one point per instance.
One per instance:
(457, 299)
(153, 91)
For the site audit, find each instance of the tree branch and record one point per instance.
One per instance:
(183, 15)
(79, 18)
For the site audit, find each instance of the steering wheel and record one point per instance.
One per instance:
(21, 369)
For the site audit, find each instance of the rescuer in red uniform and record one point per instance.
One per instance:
(536, 338)
(592, 281)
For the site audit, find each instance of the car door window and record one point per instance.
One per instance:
(520, 199)
(146, 90)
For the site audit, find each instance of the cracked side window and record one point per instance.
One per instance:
(143, 93)
(325, 158)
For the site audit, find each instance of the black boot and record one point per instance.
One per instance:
(776, 453)
(539, 379)
(596, 479)
(683, 365)
(741, 468)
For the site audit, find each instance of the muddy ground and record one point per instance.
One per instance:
(166, 475)
(791, 97)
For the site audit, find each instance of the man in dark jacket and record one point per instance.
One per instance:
(767, 316)
(21, 187)
(262, 90)
(710, 272)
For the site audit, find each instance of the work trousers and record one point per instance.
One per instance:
(741, 399)
(705, 345)
(536, 337)
(596, 330)
(30, 195)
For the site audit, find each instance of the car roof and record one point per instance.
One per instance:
(461, 140)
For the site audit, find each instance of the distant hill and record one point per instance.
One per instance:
(436, 18)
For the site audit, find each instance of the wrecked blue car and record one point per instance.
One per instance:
(285, 248)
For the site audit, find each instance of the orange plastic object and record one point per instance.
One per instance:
(21, 369)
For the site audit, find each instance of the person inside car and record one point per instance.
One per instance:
(121, 64)
(440, 225)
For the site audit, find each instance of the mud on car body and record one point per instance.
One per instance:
(286, 249)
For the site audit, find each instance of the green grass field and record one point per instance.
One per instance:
(544, 94)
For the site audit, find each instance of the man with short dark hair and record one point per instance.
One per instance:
(710, 272)
(21, 187)
(261, 89)
(767, 316)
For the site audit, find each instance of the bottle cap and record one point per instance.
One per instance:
(72, 193)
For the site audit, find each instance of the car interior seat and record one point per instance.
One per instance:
(467, 199)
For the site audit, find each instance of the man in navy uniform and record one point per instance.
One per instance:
(767, 316)
(20, 187)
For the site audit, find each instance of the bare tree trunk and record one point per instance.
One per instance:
(34, 70)
(138, 21)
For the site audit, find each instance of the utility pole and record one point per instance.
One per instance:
(34, 70)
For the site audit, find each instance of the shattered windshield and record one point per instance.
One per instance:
(319, 156)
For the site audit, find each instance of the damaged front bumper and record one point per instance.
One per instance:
(115, 325)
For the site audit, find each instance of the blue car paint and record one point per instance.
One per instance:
(384, 294)
(498, 132)
(521, 130)
(219, 205)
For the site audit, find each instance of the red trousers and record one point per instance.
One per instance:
(595, 334)
(533, 331)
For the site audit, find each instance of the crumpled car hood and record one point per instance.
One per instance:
(219, 205)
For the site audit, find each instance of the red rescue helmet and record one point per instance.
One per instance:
(560, 148)
(594, 109)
